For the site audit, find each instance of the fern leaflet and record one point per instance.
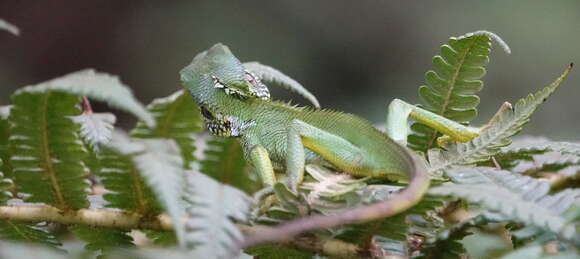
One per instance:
(162, 167)
(22, 232)
(127, 189)
(508, 123)
(96, 128)
(451, 89)
(102, 238)
(224, 161)
(517, 197)
(45, 150)
(177, 118)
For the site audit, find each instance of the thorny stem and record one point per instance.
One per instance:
(87, 108)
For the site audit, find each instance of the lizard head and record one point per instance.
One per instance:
(217, 71)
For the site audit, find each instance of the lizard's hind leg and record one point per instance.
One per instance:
(400, 111)
(333, 148)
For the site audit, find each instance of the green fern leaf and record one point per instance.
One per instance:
(5, 167)
(45, 150)
(517, 197)
(451, 89)
(120, 175)
(177, 118)
(270, 74)
(538, 252)
(224, 161)
(4, 25)
(5, 185)
(278, 252)
(161, 238)
(102, 238)
(22, 232)
(211, 207)
(508, 123)
(99, 86)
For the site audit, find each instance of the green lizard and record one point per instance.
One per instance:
(273, 134)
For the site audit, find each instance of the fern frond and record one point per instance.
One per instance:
(224, 161)
(162, 167)
(4, 25)
(177, 118)
(538, 252)
(451, 88)
(548, 162)
(5, 167)
(102, 238)
(270, 74)
(127, 189)
(96, 128)
(496, 135)
(517, 197)
(273, 251)
(45, 150)
(5, 185)
(22, 232)
(543, 145)
(161, 238)
(99, 86)
(212, 207)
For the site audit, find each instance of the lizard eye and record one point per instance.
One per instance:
(206, 113)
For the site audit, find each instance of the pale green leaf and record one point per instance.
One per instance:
(162, 167)
(4, 25)
(270, 74)
(99, 86)
(96, 128)
(212, 208)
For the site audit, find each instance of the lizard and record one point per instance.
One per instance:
(273, 134)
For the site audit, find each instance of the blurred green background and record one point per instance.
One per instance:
(355, 56)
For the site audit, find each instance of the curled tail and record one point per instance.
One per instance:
(408, 197)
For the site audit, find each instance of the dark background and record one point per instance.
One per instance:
(355, 56)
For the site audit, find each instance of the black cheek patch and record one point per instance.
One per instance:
(206, 113)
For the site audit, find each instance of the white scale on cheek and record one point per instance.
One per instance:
(238, 125)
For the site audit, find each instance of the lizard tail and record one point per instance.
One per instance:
(408, 197)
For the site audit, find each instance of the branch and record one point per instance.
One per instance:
(101, 217)
(331, 247)
(112, 218)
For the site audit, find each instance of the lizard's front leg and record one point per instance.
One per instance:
(260, 159)
(335, 149)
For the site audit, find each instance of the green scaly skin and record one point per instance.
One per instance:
(259, 122)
